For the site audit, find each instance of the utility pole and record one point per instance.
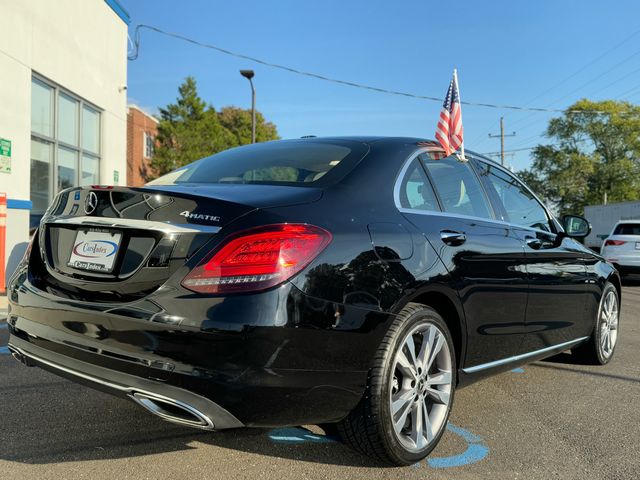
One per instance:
(502, 135)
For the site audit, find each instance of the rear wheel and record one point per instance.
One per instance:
(410, 390)
(601, 346)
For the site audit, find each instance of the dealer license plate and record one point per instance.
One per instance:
(95, 250)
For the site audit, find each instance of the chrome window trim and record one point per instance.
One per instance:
(401, 209)
(523, 356)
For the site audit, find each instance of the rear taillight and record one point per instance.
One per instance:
(614, 243)
(258, 258)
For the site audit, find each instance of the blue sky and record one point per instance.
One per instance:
(506, 52)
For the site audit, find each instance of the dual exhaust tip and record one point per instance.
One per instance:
(164, 407)
(18, 356)
(172, 410)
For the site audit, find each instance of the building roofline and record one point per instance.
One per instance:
(143, 111)
(119, 10)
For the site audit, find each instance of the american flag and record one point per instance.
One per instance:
(449, 129)
(433, 149)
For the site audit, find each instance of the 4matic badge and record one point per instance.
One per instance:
(200, 216)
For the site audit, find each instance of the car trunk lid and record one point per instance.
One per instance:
(121, 242)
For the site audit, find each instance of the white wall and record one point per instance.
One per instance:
(80, 45)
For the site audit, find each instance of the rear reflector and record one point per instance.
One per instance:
(615, 243)
(258, 258)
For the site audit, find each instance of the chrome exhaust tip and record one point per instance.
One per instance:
(18, 356)
(172, 410)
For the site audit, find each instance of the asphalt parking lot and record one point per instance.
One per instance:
(551, 419)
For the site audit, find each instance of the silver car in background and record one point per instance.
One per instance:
(622, 247)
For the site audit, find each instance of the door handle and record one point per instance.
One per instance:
(453, 238)
(533, 242)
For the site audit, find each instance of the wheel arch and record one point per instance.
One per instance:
(448, 306)
(614, 278)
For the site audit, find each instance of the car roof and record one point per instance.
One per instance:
(630, 220)
(381, 140)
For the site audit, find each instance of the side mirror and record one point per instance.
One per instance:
(576, 226)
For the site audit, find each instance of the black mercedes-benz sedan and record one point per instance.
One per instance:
(348, 281)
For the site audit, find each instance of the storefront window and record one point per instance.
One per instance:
(41, 156)
(65, 143)
(90, 170)
(67, 119)
(90, 130)
(41, 108)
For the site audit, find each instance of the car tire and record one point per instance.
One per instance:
(600, 347)
(408, 398)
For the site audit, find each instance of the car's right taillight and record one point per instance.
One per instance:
(614, 243)
(258, 258)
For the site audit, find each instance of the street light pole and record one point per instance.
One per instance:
(248, 74)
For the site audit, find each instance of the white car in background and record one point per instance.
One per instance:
(622, 247)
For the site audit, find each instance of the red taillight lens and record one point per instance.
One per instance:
(258, 258)
(615, 243)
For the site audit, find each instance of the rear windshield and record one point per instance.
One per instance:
(292, 162)
(627, 229)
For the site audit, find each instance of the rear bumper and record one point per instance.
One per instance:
(271, 359)
(190, 409)
(622, 258)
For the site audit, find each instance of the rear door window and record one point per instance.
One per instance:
(627, 229)
(519, 204)
(416, 192)
(457, 186)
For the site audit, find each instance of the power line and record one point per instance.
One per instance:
(136, 51)
(587, 65)
(510, 151)
(577, 72)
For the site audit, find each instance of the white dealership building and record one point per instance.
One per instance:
(63, 104)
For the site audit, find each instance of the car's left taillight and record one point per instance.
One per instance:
(614, 243)
(258, 258)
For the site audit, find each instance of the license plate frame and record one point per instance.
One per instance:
(95, 250)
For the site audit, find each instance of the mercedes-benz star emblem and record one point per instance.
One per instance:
(90, 203)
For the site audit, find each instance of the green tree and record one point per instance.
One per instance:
(238, 122)
(189, 129)
(595, 154)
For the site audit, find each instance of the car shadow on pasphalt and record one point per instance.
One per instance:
(74, 424)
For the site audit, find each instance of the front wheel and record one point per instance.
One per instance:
(600, 347)
(410, 390)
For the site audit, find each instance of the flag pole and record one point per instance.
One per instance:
(455, 75)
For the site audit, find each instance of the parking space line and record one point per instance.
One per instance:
(475, 452)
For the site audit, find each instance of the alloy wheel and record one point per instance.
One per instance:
(609, 323)
(421, 387)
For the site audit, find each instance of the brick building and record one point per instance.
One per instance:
(141, 133)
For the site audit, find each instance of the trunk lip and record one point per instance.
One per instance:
(128, 223)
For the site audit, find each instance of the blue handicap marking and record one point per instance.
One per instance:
(475, 452)
(297, 435)
(4, 350)
(3, 326)
(517, 370)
